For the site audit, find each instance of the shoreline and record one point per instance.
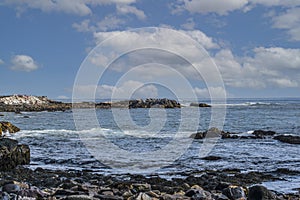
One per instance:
(72, 184)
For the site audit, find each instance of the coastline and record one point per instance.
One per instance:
(56, 184)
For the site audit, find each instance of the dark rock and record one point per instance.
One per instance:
(8, 127)
(212, 158)
(11, 188)
(234, 192)
(202, 105)
(291, 139)
(261, 133)
(13, 154)
(259, 192)
(211, 133)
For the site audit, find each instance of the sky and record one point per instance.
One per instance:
(237, 48)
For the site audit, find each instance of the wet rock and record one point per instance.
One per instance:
(8, 127)
(259, 192)
(11, 188)
(144, 196)
(235, 193)
(79, 197)
(202, 105)
(211, 133)
(212, 158)
(107, 197)
(12, 154)
(261, 133)
(291, 139)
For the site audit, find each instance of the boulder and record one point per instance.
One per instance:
(211, 133)
(291, 139)
(261, 133)
(201, 105)
(8, 127)
(259, 192)
(235, 193)
(13, 154)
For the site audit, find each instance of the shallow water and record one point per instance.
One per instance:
(158, 139)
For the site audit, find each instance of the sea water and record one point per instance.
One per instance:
(56, 143)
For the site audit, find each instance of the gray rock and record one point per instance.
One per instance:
(235, 193)
(291, 139)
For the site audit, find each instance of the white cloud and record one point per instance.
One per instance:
(290, 21)
(1, 62)
(78, 7)
(220, 7)
(23, 63)
(268, 67)
(84, 26)
(109, 22)
(189, 25)
(127, 9)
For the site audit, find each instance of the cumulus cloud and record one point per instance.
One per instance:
(109, 22)
(1, 62)
(218, 6)
(268, 67)
(189, 25)
(23, 63)
(127, 9)
(78, 7)
(289, 21)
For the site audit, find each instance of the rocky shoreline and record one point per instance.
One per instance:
(25, 103)
(208, 185)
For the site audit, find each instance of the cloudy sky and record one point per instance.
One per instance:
(255, 45)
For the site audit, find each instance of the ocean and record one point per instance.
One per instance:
(157, 140)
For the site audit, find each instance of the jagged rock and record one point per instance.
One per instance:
(211, 133)
(259, 192)
(212, 158)
(234, 193)
(291, 139)
(202, 105)
(261, 133)
(13, 154)
(8, 127)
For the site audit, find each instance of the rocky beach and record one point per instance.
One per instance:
(20, 178)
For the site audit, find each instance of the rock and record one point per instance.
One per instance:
(211, 133)
(79, 197)
(11, 188)
(259, 192)
(8, 127)
(263, 133)
(202, 105)
(212, 158)
(144, 196)
(291, 139)
(235, 193)
(12, 154)
(198, 194)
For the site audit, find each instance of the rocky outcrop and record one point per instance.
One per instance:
(20, 103)
(13, 154)
(291, 139)
(201, 105)
(7, 127)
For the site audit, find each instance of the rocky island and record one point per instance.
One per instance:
(25, 103)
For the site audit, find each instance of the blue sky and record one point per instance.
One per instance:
(254, 43)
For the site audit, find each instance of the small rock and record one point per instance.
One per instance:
(234, 193)
(11, 188)
(212, 158)
(79, 197)
(259, 192)
(291, 139)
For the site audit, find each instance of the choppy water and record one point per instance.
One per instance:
(55, 142)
